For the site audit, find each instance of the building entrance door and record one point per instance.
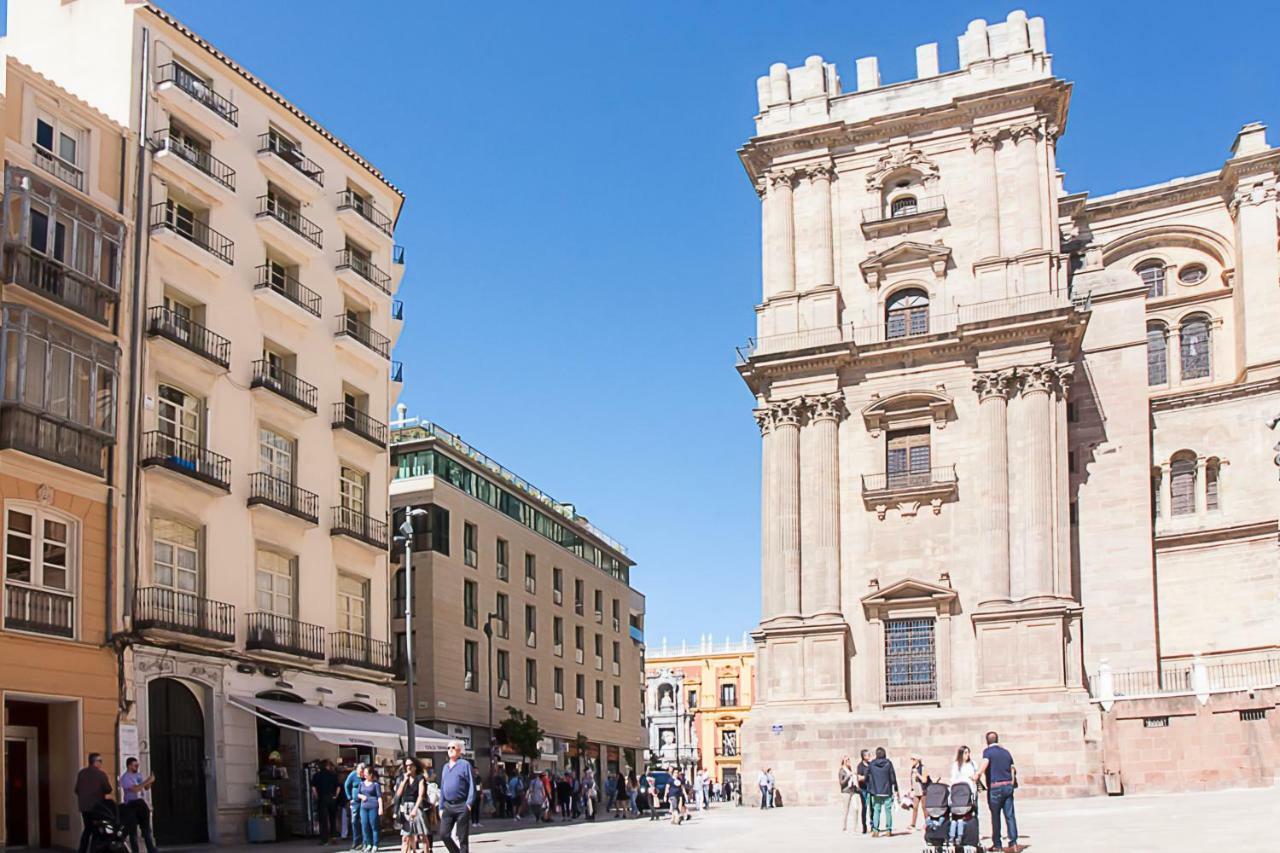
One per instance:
(178, 761)
(21, 786)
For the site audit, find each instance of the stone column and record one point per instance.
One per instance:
(782, 263)
(1035, 575)
(993, 405)
(766, 234)
(988, 194)
(770, 556)
(786, 431)
(820, 195)
(1028, 182)
(821, 569)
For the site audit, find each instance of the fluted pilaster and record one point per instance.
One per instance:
(820, 584)
(1034, 575)
(770, 555)
(786, 431)
(1028, 181)
(820, 242)
(781, 236)
(993, 404)
(988, 195)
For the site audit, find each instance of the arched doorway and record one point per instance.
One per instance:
(178, 760)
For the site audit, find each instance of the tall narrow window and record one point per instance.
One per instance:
(504, 673)
(275, 578)
(910, 668)
(557, 586)
(617, 619)
(558, 687)
(729, 694)
(579, 643)
(1157, 354)
(580, 692)
(40, 560)
(469, 544)
(1193, 335)
(352, 489)
(1152, 275)
(1182, 484)
(530, 573)
(907, 313)
(530, 626)
(1156, 480)
(531, 681)
(175, 556)
(500, 609)
(598, 601)
(501, 549)
(470, 655)
(557, 635)
(617, 658)
(178, 418)
(470, 608)
(353, 605)
(579, 594)
(1212, 473)
(276, 454)
(907, 457)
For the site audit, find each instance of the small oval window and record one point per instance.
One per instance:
(1193, 274)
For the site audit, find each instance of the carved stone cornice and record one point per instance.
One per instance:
(993, 383)
(827, 407)
(1251, 196)
(896, 161)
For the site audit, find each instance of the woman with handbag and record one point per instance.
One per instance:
(918, 780)
(848, 787)
(411, 793)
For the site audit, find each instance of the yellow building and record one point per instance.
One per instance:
(697, 700)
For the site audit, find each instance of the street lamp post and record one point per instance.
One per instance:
(406, 533)
(488, 636)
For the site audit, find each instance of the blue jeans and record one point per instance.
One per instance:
(356, 840)
(369, 826)
(882, 813)
(957, 831)
(1000, 800)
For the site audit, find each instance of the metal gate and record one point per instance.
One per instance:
(910, 669)
(178, 762)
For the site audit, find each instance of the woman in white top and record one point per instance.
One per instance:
(964, 770)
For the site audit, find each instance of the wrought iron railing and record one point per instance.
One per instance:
(185, 457)
(216, 244)
(199, 89)
(277, 379)
(288, 287)
(362, 332)
(39, 611)
(365, 268)
(58, 282)
(52, 438)
(885, 212)
(188, 334)
(348, 521)
(352, 419)
(274, 633)
(164, 140)
(59, 168)
(284, 496)
(270, 206)
(271, 143)
(347, 648)
(942, 475)
(349, 200)
(157, 607)
(910, 669)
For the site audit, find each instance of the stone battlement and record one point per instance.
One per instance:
(991, 56)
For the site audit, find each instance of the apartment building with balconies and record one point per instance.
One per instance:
(254, 587)
(66, 242)
(519, 601)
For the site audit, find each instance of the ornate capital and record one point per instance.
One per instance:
(764, 420)
(827, 407)
(1020, 132)
(992, 384)
(1046, 378)
(985, 138)
(782, 179)
(788, 412)
(820, 172)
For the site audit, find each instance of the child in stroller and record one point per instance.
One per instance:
(937, 815)
(963, 834)
(951, 822)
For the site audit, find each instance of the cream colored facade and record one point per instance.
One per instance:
(697, 701)
(981, 479)
(254, 444)
(570, 650)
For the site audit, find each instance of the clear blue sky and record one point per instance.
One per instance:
(582, 241)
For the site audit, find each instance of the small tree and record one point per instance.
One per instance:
(522, 731)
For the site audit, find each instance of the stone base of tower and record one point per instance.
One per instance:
(1055, 742)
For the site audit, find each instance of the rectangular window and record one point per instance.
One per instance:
(580, 693)
(579, 643)
(599, 651)
(557, 635)
(729, 742)
(728, 694)
(500, 608)
(579, 597)
(599, 606)
(530, 573)
(617, 658)
(504, 674)
(504, 572)
(175, 556)
(352, 488)
(178, 419)
(907, 457)
(910, 667)
(276, 454)
(558, 674)
(530, 626)
(430, 533)
(275, 583)
(531, 681)
(41, 555)
(469, 544)
(470, 654)
(353, 605)
(470, 608)
(693, 699)
(617, 618)
(600, 699)
(557, 586)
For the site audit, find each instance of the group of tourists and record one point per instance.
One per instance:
(874, 783)
(542, 795)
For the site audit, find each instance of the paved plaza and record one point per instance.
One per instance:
(1217, 820)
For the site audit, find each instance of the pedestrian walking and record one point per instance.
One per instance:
(325, 790)
(589, 794)
(864, 795)
(763, 781)
(369, 795)
(351, 790)
(432, 807)
(536, 799)
(676, 796)
(410, 801)
(479, 798)
(633, 794)
(564, 796)
(1002, 780)
(137, 813)
(515, 791)
(848, 788)
(918, 780)
(651, 796)
(92, 788)
(700, 789)
(882, 783)
(456, 798)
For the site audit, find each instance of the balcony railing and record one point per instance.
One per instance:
(348, 200)
(58, 283)
(288, 287)
(284, 496)
(164, 609)
(39, 611)
(944, 475)
(49, 437)
(173, 73)
(270, 206)
(185, 457)
(188, 334)
(351, 522)
(271, 143)
(350, 649)
(277, 379)
(365, 268)
(884, 213)
(216, 244)
(164, 140)
(397, 371)
(363, 333)
(353, 420)
(59, 168)
(273, 633)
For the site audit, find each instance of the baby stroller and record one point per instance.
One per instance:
(937, 816)
(107, 833)
(964, 809)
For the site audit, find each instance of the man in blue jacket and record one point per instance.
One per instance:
(349, 789)
(882, 785)
(457, 795)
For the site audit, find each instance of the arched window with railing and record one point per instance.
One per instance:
(1152, 275)
(906, 314)
(1157, 354)
(904, 205)
(1193, 342)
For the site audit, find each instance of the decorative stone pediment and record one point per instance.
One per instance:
(902, 160)
(918, 407)
(907, 255)
(910, 593)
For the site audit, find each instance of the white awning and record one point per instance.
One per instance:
(340, 726)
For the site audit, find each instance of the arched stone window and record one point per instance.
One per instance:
(904, 205)
(1193, 337)
(1157, 354)
(1182, 483)
(1152, 275)
(906, 314)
